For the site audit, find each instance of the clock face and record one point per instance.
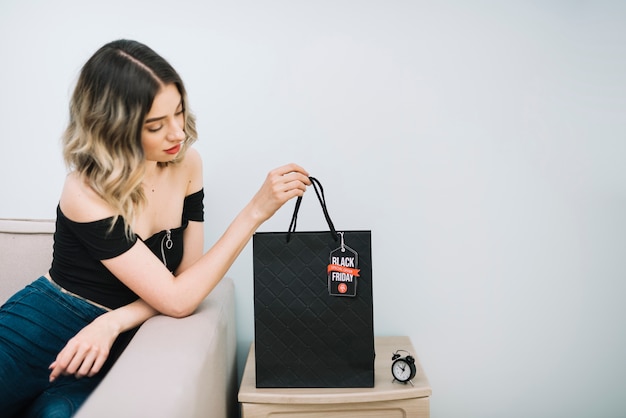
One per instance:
(401, 370)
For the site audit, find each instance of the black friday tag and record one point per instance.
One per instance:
(343, 270)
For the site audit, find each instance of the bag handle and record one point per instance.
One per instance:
(319, 191)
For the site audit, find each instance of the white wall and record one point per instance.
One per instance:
(482, 142)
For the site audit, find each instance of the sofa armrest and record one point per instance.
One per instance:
(175, 367)
(25, 253)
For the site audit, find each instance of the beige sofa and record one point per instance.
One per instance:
(172, 367)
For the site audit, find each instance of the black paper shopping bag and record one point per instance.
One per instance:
(313, 310)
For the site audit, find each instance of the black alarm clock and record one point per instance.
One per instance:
(403, 368)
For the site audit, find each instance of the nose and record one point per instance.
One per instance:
(177, 136)
(176, 132)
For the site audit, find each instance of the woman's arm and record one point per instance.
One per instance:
(193, 244)
(179, 296)
(86, 353)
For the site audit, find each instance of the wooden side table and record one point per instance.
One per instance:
(385, 400)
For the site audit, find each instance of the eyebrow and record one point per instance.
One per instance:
(158, 118)
(154, 119)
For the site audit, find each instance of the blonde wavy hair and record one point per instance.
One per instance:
(102, 142)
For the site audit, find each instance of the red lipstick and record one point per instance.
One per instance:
(174, 149)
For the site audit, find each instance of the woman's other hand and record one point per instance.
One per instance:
(281, 185)
(85, 354)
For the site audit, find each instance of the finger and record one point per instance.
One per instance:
(286, 190)
(293, 193)
(55, 371)
(288, 181)
(291, 168)
(295, 185)
(77, 360)
(86, 364)
(97, 364)
(60, 364)
(296, 176)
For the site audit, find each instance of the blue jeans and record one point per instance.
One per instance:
(35, 324)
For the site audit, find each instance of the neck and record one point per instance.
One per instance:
(150, 175)
(151, 168)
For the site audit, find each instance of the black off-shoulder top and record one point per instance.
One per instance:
(79, 248)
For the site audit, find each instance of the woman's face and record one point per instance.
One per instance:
(163, 135)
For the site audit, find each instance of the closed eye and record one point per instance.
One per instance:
(153, 129)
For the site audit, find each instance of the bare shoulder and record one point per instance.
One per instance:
(192, 170)
(192, 160)
(81, 203)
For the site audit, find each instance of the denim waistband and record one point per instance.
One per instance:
(67, 292)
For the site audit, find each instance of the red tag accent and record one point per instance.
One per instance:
(343, 269)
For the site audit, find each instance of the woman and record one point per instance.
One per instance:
(129, 234)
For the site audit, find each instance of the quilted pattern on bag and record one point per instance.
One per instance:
(304, 337)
